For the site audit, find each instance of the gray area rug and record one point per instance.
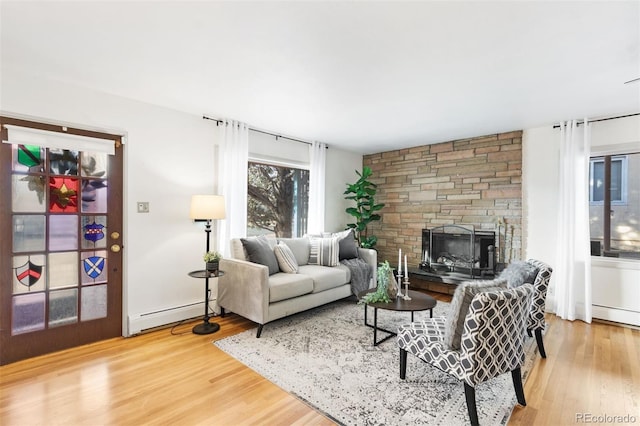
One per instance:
(326, 357)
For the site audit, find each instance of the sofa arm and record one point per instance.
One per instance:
(371, 257)
(244, 289)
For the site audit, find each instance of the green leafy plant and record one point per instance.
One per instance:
(363, 194)
(381, 294)
(212, 256)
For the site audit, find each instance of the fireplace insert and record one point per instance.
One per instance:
(458, 250)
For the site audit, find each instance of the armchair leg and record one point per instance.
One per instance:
(470, 395)
(538, 332)
(403, 364)
(259, 330)
(516, 375)
(529, 333)
(221, 311)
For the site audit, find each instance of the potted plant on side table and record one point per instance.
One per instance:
(212, 259)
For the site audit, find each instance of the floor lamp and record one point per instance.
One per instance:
(207, 208)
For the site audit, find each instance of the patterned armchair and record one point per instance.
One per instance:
(491, 344)
(538, 273)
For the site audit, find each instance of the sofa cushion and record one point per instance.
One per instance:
(299, 247)
(460, 302)
(286, 260)
(286, 286)
(518, 273)
(324, 251)
(347, 245)
(324, 277)
(260, 251)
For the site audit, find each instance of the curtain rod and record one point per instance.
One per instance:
(557, 126)
(204, 117)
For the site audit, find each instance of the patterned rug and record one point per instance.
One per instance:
(326, 357)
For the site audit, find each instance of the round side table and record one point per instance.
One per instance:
(206, 327)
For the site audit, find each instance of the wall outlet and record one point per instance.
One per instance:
(143, 207)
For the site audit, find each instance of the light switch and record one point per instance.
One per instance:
(143, 207)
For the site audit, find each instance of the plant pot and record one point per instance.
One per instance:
(213, 266)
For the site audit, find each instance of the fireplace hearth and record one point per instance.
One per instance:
(458, 251)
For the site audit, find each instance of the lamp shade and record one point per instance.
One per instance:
(207, 207)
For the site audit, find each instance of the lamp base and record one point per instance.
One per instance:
(206, 328)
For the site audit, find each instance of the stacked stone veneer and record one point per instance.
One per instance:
(473, 181)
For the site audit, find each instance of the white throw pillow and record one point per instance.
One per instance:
(286, 259)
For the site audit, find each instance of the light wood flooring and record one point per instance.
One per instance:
(160, 378)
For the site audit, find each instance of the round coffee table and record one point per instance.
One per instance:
(419, 302)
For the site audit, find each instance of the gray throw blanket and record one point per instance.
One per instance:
(361, 274)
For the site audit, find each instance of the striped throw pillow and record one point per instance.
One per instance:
(286, 258)
(324, 251)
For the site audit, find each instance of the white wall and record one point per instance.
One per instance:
(169, 156)
(616, 283)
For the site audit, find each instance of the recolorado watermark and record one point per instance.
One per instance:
(605, 418)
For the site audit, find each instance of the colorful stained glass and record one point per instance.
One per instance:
(27, 158)
(63, 195)
(93, 302)
(63, 307)
(28, 233)
(94, 164)
(63, 269)
(94, 267)
(63, 232)
(28, 193)
(63, 162)
(93, 231)
(94, 196)
(27, 313)
(29, 155)
(29, 273)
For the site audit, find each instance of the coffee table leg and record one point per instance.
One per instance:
(431, 313)
(375, 326)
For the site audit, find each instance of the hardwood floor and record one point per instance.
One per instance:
(162, 378)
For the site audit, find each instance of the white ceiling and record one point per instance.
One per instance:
(364, 76)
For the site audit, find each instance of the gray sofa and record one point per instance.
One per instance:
(248, 289)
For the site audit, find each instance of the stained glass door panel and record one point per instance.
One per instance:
(65, 285)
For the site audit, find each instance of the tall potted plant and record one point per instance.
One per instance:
(363, 194)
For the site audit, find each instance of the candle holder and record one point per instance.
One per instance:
(400, 286)
(405, 296)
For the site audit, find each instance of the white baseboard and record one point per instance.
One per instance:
(138, 323)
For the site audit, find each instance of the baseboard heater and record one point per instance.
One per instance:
(624, 316)
(138, 323)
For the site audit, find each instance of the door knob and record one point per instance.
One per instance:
(115, 248)
(115, 235)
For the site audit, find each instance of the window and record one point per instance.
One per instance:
(277, 201)
(618, 178)
(614, 215)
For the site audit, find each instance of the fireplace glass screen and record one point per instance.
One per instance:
(455, 249)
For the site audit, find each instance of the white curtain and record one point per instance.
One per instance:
(318, 157)
(233, 157)
(572, 274)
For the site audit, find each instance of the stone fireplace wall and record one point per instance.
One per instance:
(473, 181)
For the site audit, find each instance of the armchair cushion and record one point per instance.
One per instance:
(286, 259)
(460, 302)
(259, 251)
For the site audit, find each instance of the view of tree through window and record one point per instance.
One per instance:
(278, 200)
(616, 232)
